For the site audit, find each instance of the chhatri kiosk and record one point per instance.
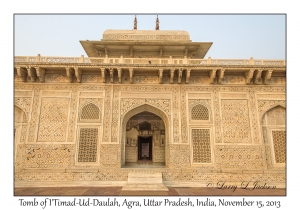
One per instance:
(146, 108)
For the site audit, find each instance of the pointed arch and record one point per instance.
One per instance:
(137, 110)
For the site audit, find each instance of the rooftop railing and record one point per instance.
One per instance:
(121, 60)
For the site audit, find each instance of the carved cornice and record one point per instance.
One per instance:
(31, 73)
(220, 75)
(249, 75)
(22, 72)
(267, 76)
(257, 76)
(40, 72)
(78, 74)
(212, 76)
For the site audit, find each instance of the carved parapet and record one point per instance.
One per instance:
(257, 76)
(220, 75)
(103, 74)
(111, 75)
(249, 75)
(212, 76)
(40, 72)
(78, 74)
(179, 75)
(70, 73)
(188, 74)
(160, 75)
(120, 75)
(172, 76)
(267, 76)
(22, 73)
(31, 74)
(131, 75)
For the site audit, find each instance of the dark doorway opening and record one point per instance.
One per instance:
(145, 148)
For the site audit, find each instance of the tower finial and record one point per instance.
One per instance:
(135, 23)
(157, 23)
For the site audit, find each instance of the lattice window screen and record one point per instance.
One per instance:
(201, 146)
(88, 145)
(279, 142)
(90, 112)
(199, 112)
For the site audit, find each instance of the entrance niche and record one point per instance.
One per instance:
(145, 140)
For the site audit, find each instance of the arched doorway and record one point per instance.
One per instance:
(144, 137)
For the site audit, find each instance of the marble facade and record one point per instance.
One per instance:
(83, 121)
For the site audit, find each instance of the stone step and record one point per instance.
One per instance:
(145, 187)
(145, 182)
(144, 178)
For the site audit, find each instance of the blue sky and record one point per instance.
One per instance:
(233, 36)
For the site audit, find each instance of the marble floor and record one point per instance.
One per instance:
(117, 191)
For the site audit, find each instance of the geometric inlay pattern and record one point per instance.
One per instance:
(53, 119)
(90, 112)
(235, 119)
(199, 112)
(279, 142)
(88, 141)
(239, 157)
(201, 145)
(44, 156)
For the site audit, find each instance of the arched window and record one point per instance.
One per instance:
(90, 112)
(274, 133)
(199, 112)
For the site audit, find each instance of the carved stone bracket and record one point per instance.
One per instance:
(103, 74)
(120, 75)
(160, 75)
(172, 76)
(22, 73)
(179, 75)
(78, 74)
(188, 74)
(131, 74)
(31, 73)
(111, 75)
(40, 72)
(257, 76)
(220, 75)
(267, 76)
(249, 75)
(70, 73)
(212, 76)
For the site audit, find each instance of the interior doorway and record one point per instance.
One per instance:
(144, 148)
